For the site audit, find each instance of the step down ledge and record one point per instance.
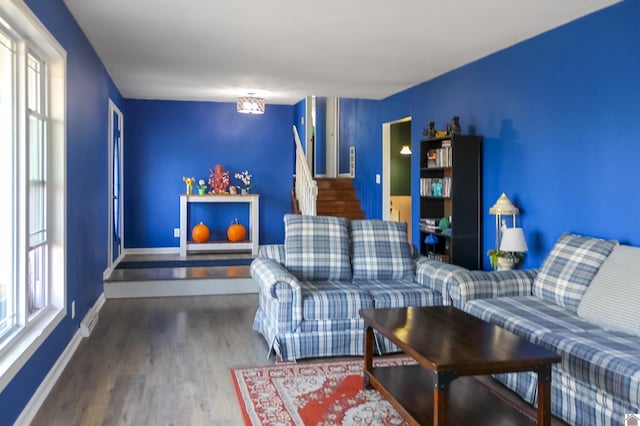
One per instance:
(180, 287)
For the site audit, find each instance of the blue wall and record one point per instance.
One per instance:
(165, 140)
(558, 115)
(88, 90)
(300, 121)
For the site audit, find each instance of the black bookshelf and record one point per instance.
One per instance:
(451, 187)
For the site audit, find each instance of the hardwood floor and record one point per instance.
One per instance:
(159, 361)
(165, 361)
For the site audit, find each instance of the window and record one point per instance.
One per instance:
(32, 170)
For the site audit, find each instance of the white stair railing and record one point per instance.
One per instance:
(306, 187)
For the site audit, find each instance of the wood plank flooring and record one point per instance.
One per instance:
(165, 361)
(159, 361)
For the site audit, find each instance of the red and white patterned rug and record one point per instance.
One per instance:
(314, 393)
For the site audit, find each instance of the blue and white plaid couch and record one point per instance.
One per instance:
(583, 303)
(313, 286)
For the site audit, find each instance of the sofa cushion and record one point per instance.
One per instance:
(604, 359)
(317, 247)
(568, 270)
(333, 300)
(611, 300)
(526, 316)
(399, 293)
(380, 250)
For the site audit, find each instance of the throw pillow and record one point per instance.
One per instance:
(380, 250)
(317, 247)
(611, 299)
(568, 270)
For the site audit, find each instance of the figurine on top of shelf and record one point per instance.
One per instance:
(202, 187)
(189, 182)
(218, 180)
(453, 128)
(430, 132)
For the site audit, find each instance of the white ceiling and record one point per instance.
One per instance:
(286, 49)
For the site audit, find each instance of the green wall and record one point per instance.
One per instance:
(400, 164)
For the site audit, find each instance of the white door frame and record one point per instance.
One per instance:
(386, 166)
(114, 110)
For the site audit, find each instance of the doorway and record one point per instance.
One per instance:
(116, 228)
(396, 172)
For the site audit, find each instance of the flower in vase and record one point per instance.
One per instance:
(245, 179)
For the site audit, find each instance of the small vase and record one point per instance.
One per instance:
(189, 189)
(244, 191)
(202, 191)
(505, 264)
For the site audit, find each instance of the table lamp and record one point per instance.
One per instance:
(503, 207)
(513, 242)
(431, 240)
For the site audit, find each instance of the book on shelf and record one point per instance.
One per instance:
(430, 220)
(439, 157)
(438, 256)
(435, 187)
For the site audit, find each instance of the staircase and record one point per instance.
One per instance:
(336, 197)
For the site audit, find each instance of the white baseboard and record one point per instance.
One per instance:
(198, 287)
(152, 250)
(33, 406)
(107, 272)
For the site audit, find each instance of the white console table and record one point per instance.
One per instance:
(254, 214)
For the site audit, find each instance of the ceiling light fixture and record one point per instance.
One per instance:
(406, 150)
(250, 105)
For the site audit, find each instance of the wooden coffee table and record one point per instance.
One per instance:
(448, 343)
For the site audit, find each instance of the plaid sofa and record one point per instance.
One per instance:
(571, 305)
(313, 286)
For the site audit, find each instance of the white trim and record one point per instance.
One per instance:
(33, 406)
(165, 288)
(107, 272)
(27, 340)
(152, 250)
(24, 347)
(386, 169)
(114, 110)
(386, 166)
(331, 137)
(309, 143)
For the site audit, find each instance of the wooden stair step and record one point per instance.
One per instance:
(337, 183)
(336, 194)
(339, 205)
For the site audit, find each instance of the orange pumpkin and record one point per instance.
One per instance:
(200, 233)
(236, 232)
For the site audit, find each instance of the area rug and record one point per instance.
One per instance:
(314, 393)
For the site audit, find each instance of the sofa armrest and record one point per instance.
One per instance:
(280, 295)
(468, 285)
(273, 251)
(436, 275)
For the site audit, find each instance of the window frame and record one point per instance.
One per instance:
(30, 37)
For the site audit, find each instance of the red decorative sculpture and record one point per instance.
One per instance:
(218, 179)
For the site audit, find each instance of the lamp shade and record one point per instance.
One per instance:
(513, 240)
(504, 206)
(431, 239)
(406, 150)
(250, 105)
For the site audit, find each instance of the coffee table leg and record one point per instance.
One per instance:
(544, 394)
(441, 383)
(368, 355)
